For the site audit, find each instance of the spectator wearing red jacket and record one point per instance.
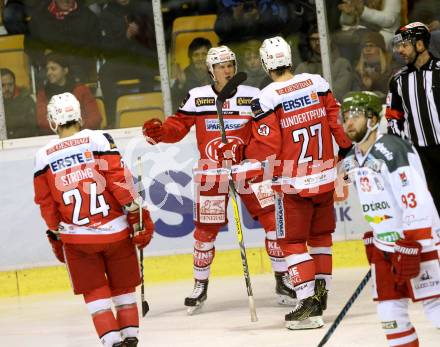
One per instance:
(59, 80)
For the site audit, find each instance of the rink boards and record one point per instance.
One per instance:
(27, 264)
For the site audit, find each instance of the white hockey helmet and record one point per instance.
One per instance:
(275, 53)
(63, 108)
(217, 55)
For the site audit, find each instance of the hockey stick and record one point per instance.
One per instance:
(145, 307)
(345, 309)
(221, 98)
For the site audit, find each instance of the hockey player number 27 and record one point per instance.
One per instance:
(97, 204)
(315, 130)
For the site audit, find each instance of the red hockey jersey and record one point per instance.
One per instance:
(198, 108)
(297, 119)
(81, 184)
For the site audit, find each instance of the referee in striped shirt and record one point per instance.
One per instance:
(413, 101)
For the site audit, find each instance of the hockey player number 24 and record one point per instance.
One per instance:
(97, 204)
(315, 130)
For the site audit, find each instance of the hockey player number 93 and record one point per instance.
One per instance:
(97, 204)
(409, 200)
(315, 130)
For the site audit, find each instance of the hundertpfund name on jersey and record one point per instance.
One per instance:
(230, 124)
(303, 117)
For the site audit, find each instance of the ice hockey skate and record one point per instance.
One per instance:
(286, 295)
(130, 342)
(198, 297)
(306, 315)
(321, 292)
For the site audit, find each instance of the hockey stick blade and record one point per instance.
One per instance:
(232, 84)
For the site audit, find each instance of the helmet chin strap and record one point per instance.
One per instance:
(370, 129)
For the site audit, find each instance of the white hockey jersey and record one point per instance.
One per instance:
(393, 193)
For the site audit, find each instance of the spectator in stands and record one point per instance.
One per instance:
(242, 20)
(196, 73)
(60, 81)
(341, 68)
(67, 27)
(19, 108)
(373, 69)
(129, 48)
(15, 17)
(251, 62)
(375, 15)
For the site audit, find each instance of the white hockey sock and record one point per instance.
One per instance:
(275, 253)
(203, 256)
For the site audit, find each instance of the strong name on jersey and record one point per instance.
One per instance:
(80, 185)
(303, 113)
(392, 191)
(198, 108)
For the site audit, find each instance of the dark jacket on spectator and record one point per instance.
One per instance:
(20, 115)
(89, 108)
(76, 36)
(115, 44)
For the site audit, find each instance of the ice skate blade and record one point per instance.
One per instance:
(285, 300)
(309, 323)
(194, 309)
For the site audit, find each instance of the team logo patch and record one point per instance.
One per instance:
(212, 209)
(204, 101)
(244, 100)
(403, 179)
(263, 130)
(68, 161)
(110, 140)
(212, 146)
(264, 194)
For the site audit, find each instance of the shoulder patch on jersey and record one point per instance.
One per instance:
(185, 99)
(256, 107)
(263, 130)
(204, 101)
(110, 140)
(244, 100)
(393, 151)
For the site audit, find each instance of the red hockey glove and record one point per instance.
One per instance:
(369, 247)
(230, 151)
(406, 260)
(141, 238)
(153, 130)
(57, 245)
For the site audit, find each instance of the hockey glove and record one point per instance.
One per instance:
(406, 260)
(141, 238)
(230, 151)
(369, 247)
(153, 131)
(57, 245)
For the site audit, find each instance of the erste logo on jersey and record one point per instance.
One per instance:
(205, 101)
(69, 160)
(301, 101)
(230, 124)
(213, 145)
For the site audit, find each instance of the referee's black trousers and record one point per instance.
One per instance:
(430, 157)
